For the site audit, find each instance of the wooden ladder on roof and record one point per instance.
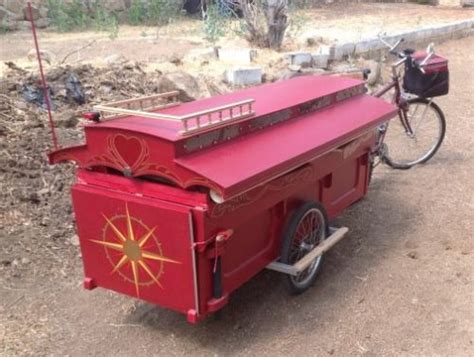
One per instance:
(192, 123)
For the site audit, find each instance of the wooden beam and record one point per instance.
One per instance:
(320, 249)
(327, 244)
(148, 109)
(138, 113)
(149, 97)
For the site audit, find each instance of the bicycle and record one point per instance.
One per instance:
(420, 129)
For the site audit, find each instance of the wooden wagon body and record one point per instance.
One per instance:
(180, 204)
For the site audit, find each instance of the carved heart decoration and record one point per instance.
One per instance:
(128, 150)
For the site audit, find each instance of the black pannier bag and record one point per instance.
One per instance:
(433, 83)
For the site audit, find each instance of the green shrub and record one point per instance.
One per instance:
(153, 12)
(215, 24)
(137, 13)
(70, 16)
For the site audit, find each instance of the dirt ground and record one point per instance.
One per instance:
(401, 284)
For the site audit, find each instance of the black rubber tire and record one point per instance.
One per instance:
(402, 166)
(287, 239)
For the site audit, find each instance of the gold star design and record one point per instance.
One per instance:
(132, 250)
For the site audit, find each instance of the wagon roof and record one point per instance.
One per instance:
(268, 98)
(241, 164)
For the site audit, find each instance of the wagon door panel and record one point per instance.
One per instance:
(248, 251)
(345, 185)
(137, 246)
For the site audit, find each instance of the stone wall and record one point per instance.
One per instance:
(13, 14)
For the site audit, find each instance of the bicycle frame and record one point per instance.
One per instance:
(397, 97)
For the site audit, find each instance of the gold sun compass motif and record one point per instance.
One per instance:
(128, 242)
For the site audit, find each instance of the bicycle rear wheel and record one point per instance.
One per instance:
(428, 126)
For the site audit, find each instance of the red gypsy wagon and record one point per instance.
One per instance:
(180, 204)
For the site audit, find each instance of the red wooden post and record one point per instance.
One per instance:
(43, 80)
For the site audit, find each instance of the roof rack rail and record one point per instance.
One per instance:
(191, 123)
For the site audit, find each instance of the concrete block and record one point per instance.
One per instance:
(244, 76)
(322, 56)
(450, 3)
(236, 55)
(368, 45)
(339, 52)
(303, 59)
(409, 36)
(321, 61)
(423, 35)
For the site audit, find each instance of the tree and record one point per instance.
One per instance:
(266, 21)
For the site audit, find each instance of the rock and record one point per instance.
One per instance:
(294, 67)
(181, 81)
(244, 76)
(5, 262)
(303, 72)
(9, 24)
(24, 25)
(176, 59)
(43, 11)
(43, 191)
(303, 59)
(200, 54)
(105, 89)
(14, 6)
(34, 11)
(114, 5)
(236, 55)
(3, 13)
(45, 221)
(413, 255)
(74, 240)
(115, 59)
(66, 119)
(375, 74)
(47, 56)
(43, 23)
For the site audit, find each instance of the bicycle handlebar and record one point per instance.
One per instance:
(404, 56)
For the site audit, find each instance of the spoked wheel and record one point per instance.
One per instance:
(306, 229)
(406, 149)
